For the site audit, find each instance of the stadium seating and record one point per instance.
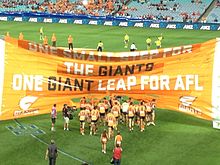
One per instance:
(166, 10)
(214, 15)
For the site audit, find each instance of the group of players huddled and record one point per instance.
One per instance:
(111, 112)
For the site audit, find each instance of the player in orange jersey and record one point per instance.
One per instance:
(45, 40)
(151, 113)
(70, 42)
(118, 139)
(21, 36)
(142, 113)
(137, 115)
(131, 113)
(116, 111)
(110, 118)
(94, 119)
(107, 105)
(82, 119)
(54, 40)
(88, 109)
(104, 139)
(82, 102)
(101, 107)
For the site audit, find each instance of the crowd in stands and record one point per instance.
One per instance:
(90, 7)
(167, 10)
(214, 15)
(163, 10)
(218, 4)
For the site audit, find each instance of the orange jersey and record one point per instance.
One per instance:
(88, 106)
(95, 114)
(131, 111)
(116, 110)
(118, 138)
(110, 119)
(148, 108)
(82, 102)
(106, 102)
(101, 107)
(104, 138)
(70, 40)
(21, 36)
(88, 113)
(142, 110)
(45, 41)
(116, 102)
(53, 39)
(82, 115)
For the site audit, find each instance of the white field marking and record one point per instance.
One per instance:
(60, 151)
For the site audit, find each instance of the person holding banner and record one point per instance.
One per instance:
(133, 47)
(45, 40)
(70, 42)
(21, 36)
(100, 46)
(41, 33)
(53, 40)
(148, 42)
(126, 40)
(7, 34)
(160, 37)
(158, 44)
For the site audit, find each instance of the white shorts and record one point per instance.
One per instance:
(118, 142)
(67, 120)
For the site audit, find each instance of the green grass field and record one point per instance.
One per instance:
(177, 138)
(87, 36)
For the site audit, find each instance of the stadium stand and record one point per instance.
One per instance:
(90, 7)
(214, 15)
(168, 10)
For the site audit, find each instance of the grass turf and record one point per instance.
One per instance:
(177, 138)
(87, 36)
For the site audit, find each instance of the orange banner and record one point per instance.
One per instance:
(35, 77)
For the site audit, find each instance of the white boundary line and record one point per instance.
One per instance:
(60, 151)
(2, 71)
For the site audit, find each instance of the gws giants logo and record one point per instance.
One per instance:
(186, 105)
(25, 106)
